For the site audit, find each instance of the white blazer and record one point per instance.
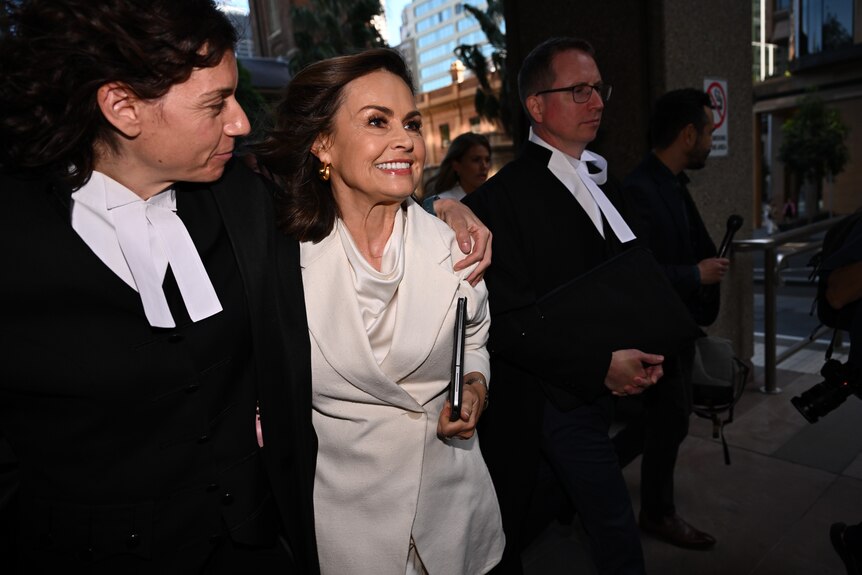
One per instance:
(382, 473)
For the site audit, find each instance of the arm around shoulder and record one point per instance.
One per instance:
(474, 237)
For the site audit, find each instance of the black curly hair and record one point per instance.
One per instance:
(55, 54)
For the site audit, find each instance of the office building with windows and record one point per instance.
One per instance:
(432, 29)
(807, 46)
(430, 32)
(241, 22)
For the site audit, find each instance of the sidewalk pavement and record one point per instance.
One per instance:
(770, 510)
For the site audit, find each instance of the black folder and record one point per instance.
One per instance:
(625, 302)
(456, 384)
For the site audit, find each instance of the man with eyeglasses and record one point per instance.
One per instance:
(554, 217)
(681, 135)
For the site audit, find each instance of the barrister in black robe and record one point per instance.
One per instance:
(551, 398)
(138, 442)
(134, 427)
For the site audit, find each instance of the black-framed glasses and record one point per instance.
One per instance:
(581, 92)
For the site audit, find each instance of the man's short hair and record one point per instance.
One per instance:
(537, 73)
(676, 110)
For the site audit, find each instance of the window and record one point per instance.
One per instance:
(435, 69)
(433, 20)
(444, 135)
(782, 5)
(825, 25)
(436, 52)
(438, 83)
(467, 23)
(274, 18)
(435, 36)
(477, 37)
(426, 7)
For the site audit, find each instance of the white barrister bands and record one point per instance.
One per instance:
(584, 186)
(593, 181)
(138, 239)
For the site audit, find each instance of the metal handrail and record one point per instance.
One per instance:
(772, 265)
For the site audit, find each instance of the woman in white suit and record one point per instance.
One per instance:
(399, 488)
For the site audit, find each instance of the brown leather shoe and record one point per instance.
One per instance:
(676, 531)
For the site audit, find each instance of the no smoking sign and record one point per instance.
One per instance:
(717, 90)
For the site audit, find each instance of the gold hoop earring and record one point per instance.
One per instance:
(323, 172)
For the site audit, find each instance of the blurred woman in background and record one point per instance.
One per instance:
(464, 169)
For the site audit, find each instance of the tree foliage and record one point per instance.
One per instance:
(813, 143)
(327, 28)
(6, 8)
(835, 34)
(489, 105)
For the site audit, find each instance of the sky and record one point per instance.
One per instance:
(241, 4)
(392, 10)
(393, 20)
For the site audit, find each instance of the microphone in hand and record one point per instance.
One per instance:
(734, 222)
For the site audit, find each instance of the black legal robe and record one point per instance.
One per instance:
(136, 440)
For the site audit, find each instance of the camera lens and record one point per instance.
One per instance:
(820, 400)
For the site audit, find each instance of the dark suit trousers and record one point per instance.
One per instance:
(582, 455)
(658, 432)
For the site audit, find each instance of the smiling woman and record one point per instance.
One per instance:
(399, 486)
(318, 114)
(375, 150)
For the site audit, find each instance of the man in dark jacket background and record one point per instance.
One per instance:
(681, 135)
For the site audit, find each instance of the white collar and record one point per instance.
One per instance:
(137, 240)
(587, 156)
(574, 174)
